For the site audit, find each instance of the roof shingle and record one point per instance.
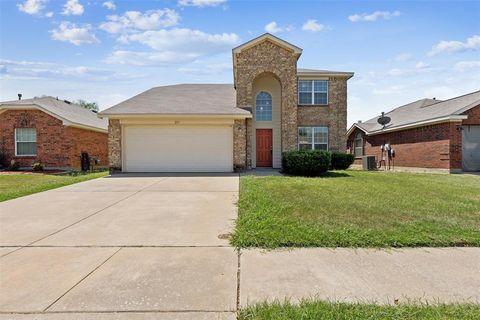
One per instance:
(194, 99)
(423, 110)
(70, 112)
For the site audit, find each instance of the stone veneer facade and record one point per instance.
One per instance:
(115, 144)
(239, 144)
(269, 57)
(333, 115)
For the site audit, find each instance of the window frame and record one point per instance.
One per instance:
(313, 103)
(271, 106)
(313, 143)
(16, 143)
(358, 137)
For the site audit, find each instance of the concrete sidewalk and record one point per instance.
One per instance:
(449, 275)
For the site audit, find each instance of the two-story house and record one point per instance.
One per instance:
(272, 107)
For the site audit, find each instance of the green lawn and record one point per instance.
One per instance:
(359, 209)
(18, 185)
(344, 311)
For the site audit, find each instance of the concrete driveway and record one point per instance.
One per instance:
(151, 246)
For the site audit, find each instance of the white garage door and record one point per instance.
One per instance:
(178, 148)
(471, 148)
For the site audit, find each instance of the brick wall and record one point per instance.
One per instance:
(92, 142)
(473, 116)
(57, 145)
(434, 146)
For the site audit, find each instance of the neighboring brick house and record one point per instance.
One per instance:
(52, 132)
(427, 133)
(272, 107)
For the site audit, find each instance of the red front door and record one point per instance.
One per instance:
(264, 147)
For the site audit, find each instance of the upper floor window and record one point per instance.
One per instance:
(312, 92)
(263, 106)
(358, 144)
(25, 141)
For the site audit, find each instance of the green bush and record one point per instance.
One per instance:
(341, 161)
(37, 166)
(309, 163)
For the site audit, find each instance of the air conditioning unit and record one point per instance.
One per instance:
(369, 163)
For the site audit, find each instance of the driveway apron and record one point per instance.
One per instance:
(148, 246)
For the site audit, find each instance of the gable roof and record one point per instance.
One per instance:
(272, 38)
(71, 114)
(326, 73)
(182, 99)
(422, 112)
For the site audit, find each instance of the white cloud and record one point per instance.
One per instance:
(313, 26)
(472, 43)
(72, 7)
(402, 57)
(110, 5)
(15, 69)
(273, 27)
(467, 65)
(173, 46)
(421, 65)
(32, 7)
(135, 20)
(72, 33)
(386, 15)
(49, 14)
(183, 39)
(142, 58)
(200, 3)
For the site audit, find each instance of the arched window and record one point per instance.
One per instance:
(358, 144)
(263, 106)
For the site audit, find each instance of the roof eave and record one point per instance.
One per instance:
(65, 122)
(353, 127)
(175, 115)
(347, 75)
(468, 107)
(452, 118)
(85, 127)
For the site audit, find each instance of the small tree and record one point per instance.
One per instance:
(88, 105)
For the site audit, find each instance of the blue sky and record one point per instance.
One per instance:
(107, 51)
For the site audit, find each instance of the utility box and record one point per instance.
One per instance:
(369, 163)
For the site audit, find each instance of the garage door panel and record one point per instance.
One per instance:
(178, 148)
(471, 148)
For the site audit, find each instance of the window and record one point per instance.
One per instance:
(263, 106)
(313, 138)
(312, 92)
(358, 145)
(25, 141)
